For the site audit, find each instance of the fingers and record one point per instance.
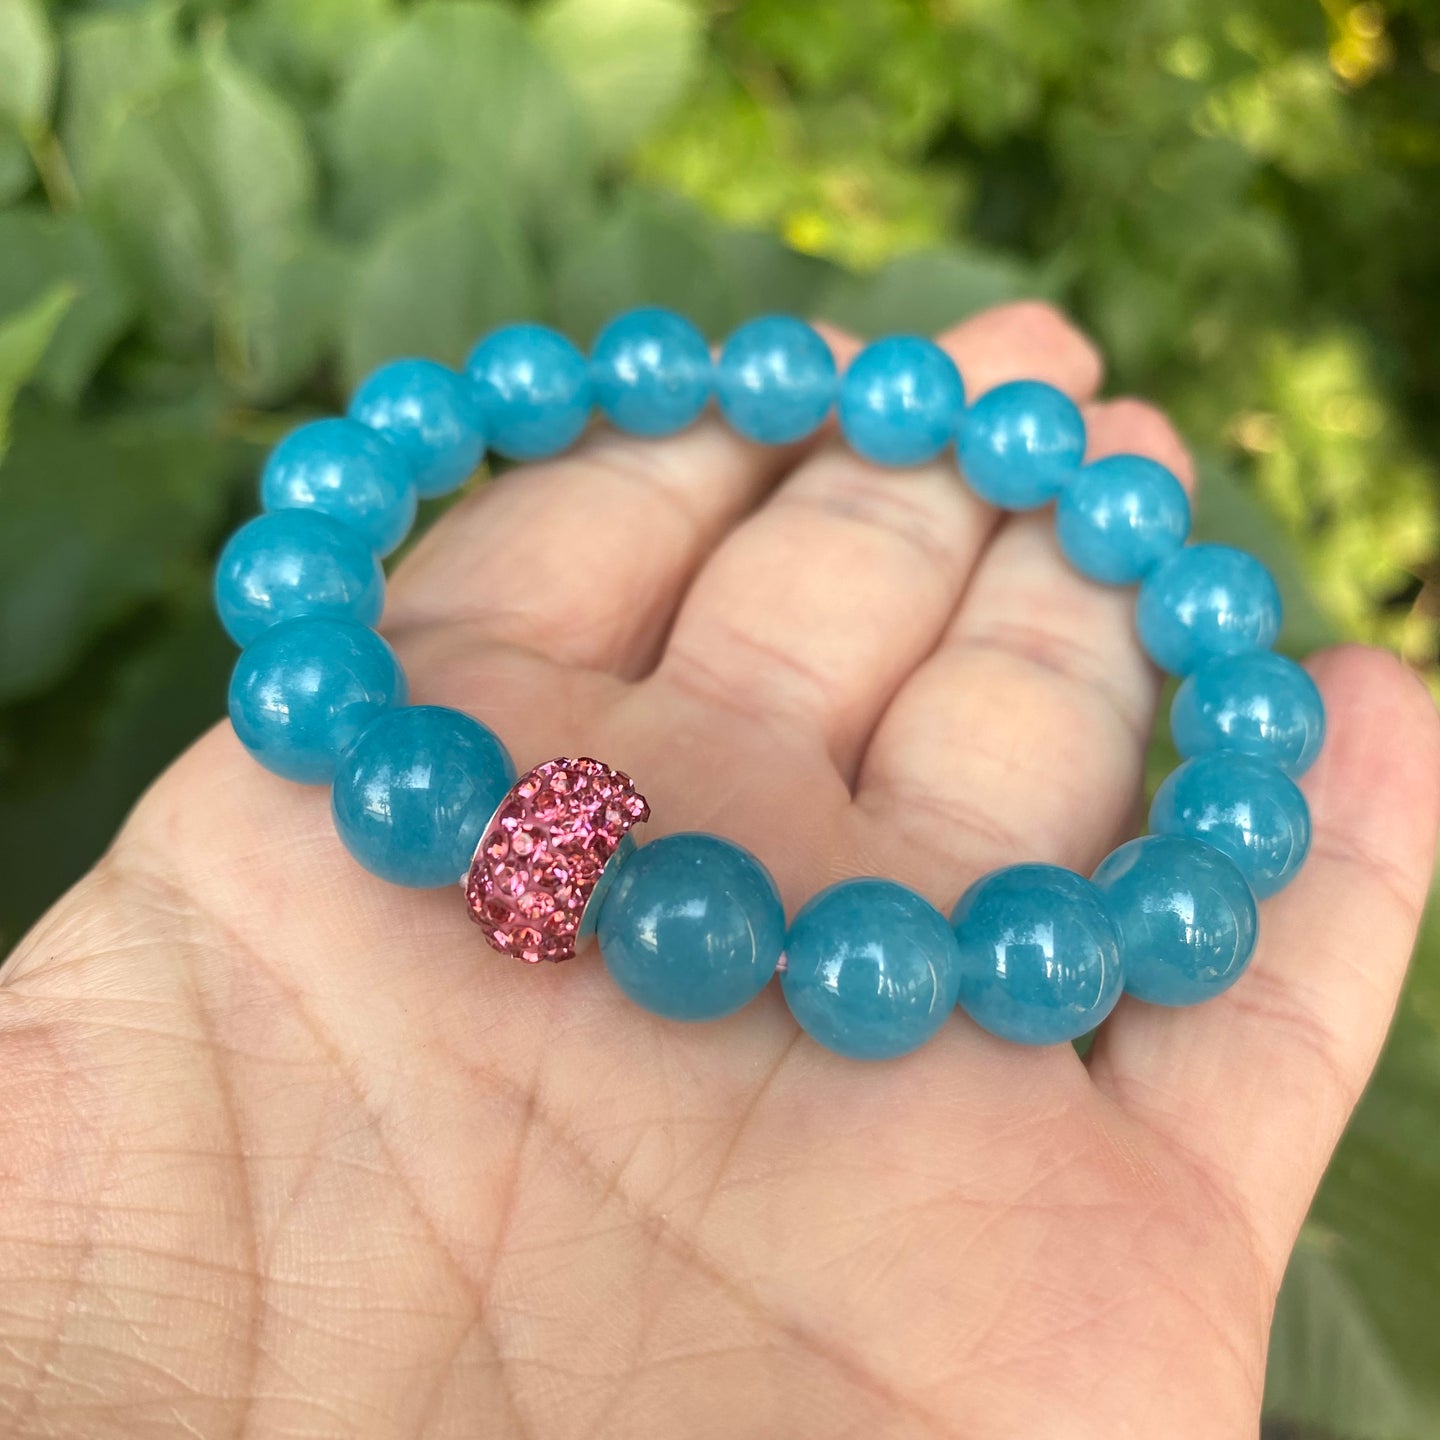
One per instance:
(1050, 772)
(583, 558)
(817, 607)
(1256, 1085)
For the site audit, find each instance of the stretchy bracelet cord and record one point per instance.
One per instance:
(690, 925)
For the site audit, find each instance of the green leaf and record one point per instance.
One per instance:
(434, 282)
(459, 101)
(17, 174)
(630, 61)
(929, 291)
(1227, 513)
(1329, 1365)
(649, 251)
(27, 62)
(115, 61)
(313, 45)
(99, 518)
(41, 249)
(23, 341)
(1370, 1289)
(73, 763)
(207, 192)
(766, 275)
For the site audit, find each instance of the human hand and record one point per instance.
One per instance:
(286, 1151)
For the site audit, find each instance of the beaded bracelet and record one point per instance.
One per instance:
(690, 925)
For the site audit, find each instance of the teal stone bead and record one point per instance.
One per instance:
(1185, 914)
(1205, 601)
(1259, 704)
(431, 415)
(900, 401)
(1020, 444)
(414, 792)
(1039, 954)
(692, 928)
(534, 390)
(1119, 517)
(776, 380)
(871, 969)
(292, 563)
(343, 469)
(1246, 808)
(303, 690)
(651, 372)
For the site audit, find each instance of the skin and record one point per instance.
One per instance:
(287, 1152)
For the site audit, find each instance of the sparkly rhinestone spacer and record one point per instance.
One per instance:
(543, 854)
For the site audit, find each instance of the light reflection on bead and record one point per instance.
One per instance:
(291, 563)
(1258, 704)
(431, 415)
(534, 390)
(871, 969)
(692, 928)
(1247, 808)
(1020, 444)
(1185, 914)
(651, 372)
(303, 690)
(1121, 516)
(1039, 954)
(900, 401)
(775, 380)
(1204, 601)
(343, 469)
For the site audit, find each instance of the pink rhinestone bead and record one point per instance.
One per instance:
(564, 820)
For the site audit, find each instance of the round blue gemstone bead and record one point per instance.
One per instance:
(692, 928)
(1186, 918)
(431, 415)
(651, 371)
(303, 690)
(1258, 704)
(534, 390)
(413, 794)
(900, 401)
(1249, 809)
(1021, 443)
(1039, 954)
(775, 380)
(871, 969)
(1119, 517)
(292, 563)
(1204, 601)
(346, 470)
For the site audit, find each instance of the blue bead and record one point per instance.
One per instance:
(776, 380)
(1258, 704)
(651, 371)
(431, 415)
(292, 563)
(534, 390)
(1249, 809)
(301, 692)
(1120, 517)
(1020, 444)
(871, 969)
(1204, 601)
(901, 400)
(1185, 915)
(692, 928)
(413, 794)
(1039, 954)
(346, 470)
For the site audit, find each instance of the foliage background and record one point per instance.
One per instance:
(216, 214)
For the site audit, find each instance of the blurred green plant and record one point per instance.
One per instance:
(216, 214)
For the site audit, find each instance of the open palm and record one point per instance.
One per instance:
(285, 1151)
